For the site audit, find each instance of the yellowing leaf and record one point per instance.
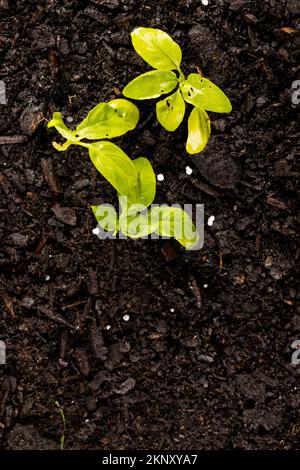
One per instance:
(198, 131)
(60, 126)
(170, 111)
(108, 120)
(201, 92)
(115, 166)
(151, 85)
(157, 48)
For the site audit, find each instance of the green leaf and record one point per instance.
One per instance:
(60, 126)
(106, 217)
(135, 222)
(175, 222)
(203, 93)
(146, 184)
(170, 111)
(157, 48)
(108, 120)
(115, 166)
(198, 131)
(151, 85)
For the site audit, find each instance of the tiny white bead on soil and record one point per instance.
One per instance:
(188, 170)
(211, 220)
(172, 310)
(108, 327)
(47, 278)
(160, 177)
(205, 286)
(204, 2)
(96, 231)
(126, 317)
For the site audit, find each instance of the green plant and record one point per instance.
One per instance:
(160, 51)
(64, 425)
(134, 180)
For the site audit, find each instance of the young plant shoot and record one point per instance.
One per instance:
(134, 180)
(159, 50)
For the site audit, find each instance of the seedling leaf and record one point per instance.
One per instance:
(198, 131)
(202, 93)
(157, 48)
(115, 166)
(108, 120)
(146, 184)
(170, 111)
(151, 85)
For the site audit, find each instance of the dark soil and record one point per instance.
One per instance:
(193, 367)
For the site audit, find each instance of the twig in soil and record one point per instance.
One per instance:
(204, 187)
(81, 302)
(197, 293)
(12, 139)
(221, 262)
(63, 419)
(8, 303)
(55, 317)
(40, 246)
(50, 175)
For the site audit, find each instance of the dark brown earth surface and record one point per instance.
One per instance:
(194, 367)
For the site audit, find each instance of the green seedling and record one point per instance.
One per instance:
(160, 51)
(105, 121)
(136, 221)
(64, 425)
(134, 180)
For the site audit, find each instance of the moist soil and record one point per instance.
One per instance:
(203, 358)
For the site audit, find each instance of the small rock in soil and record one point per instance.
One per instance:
(27, 302)
(65, 214)
(31, 118)
(206, 359)
(28, 438)
(216, 165)
(202, 38)
(125, 387)
(18, 239)
(110, 4)
(99, 379)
